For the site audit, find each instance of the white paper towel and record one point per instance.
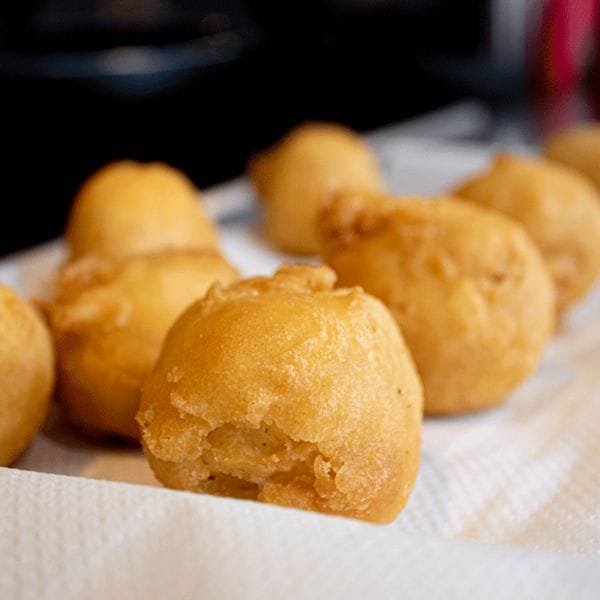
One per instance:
(72, 538)
(521, 482)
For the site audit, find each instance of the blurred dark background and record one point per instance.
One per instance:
(202, 84)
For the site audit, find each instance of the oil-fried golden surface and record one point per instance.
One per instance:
(26, 374)
(284, 390)
(467, 286)
(129, 208)
(578, 148)
(109, 319)
(559, 208)
(295, 178)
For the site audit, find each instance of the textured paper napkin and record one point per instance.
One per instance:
(73, 538)
(507, 503)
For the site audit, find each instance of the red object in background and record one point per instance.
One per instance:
(568, 35)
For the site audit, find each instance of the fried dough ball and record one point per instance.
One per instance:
(132, 208)
(559, 209)
(109, 319)
(578, 148)
(469, 289)
(26, 374)
(295, 178)
(283, 390)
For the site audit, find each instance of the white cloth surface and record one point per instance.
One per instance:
(507, 503)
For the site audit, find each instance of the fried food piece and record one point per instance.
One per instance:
(559, 209)
(283, 390)
(109, 320)
(469, 289)
(578, 148)
(296, 177)
(26, 374)
(131, 208)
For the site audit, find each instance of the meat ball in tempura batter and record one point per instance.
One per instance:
(284, 390)
(560, 210)
(296, 177)
(578, 148)
(109, 319)
(26, 374)
(469, 289)
(133, 208)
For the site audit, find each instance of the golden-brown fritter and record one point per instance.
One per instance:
(560, 210)
(295, 178)
(26, 374)
(131, 208)
(109, 319)
(284, 390)
(469, 289)
(578, 148)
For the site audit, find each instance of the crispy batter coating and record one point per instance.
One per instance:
(109, 319)
(467, 286)
(559, 209)
(578, 148)
(130, 208)
(283, 390)
(296, 177)
(26, 374)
